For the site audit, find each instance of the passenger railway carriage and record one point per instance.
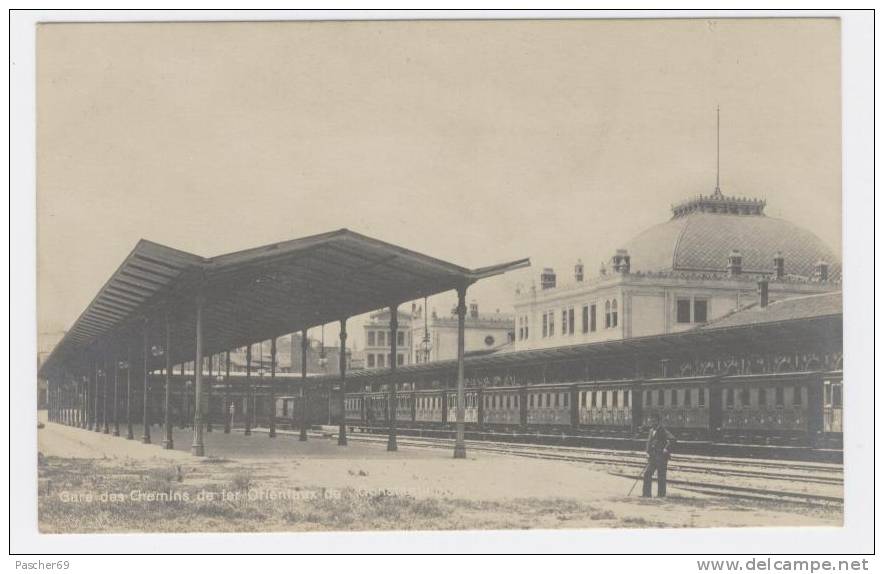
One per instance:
(756, 384)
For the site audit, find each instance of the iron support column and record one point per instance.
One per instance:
(227, 392)
(247, 400)
(342, 431)
(460, 449)
(391, 386)
(145, 434)
(197, 448)
(304, 410)
(210, 380)
(116, 412)
(168, 443)
(130, 432)
(272, 409)
(105, 393)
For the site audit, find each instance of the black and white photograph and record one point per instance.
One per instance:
(584, 276)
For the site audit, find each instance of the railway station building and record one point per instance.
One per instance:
(704, 262)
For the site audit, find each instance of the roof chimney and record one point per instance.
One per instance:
(779, 265)
(762, 292)
(548, 278)
(578, 271)
(734, 263)
(620, 261)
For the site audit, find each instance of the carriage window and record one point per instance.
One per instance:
(729, 398)
(796, 396)
(780, 396)
(836, 395)
(827, 393)
(673, 397)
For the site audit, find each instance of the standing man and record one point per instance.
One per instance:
(659, 449)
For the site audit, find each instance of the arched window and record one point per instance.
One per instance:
(607, 314)
(614, 313)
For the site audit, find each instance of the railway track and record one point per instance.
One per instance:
(699, 466)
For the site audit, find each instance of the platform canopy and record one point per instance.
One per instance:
(250, 295)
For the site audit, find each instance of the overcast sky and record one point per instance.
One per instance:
(475, 142)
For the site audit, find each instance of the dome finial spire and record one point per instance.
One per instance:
(717, 150)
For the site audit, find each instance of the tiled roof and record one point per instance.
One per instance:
(702, 242)
(802, 307)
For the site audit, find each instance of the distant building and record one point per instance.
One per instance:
(377, 351)
(714, 255)
(435, 337)
(321, 359)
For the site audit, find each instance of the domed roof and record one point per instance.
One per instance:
(697, 239)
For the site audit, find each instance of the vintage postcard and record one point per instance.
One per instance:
(446, 275)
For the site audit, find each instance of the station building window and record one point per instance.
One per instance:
(571, 321)
(564, 321)
(661, 398)
(701, 398)
(729, 398)
(370, 358)
(607, 314)
(683, 310)
(700, 310)
(382, 338)
(796, 396)
(780, 397)
(585, 323)
(400, 338)
(400, 359)
(614, 313)
(371, 339)
(381, 361)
